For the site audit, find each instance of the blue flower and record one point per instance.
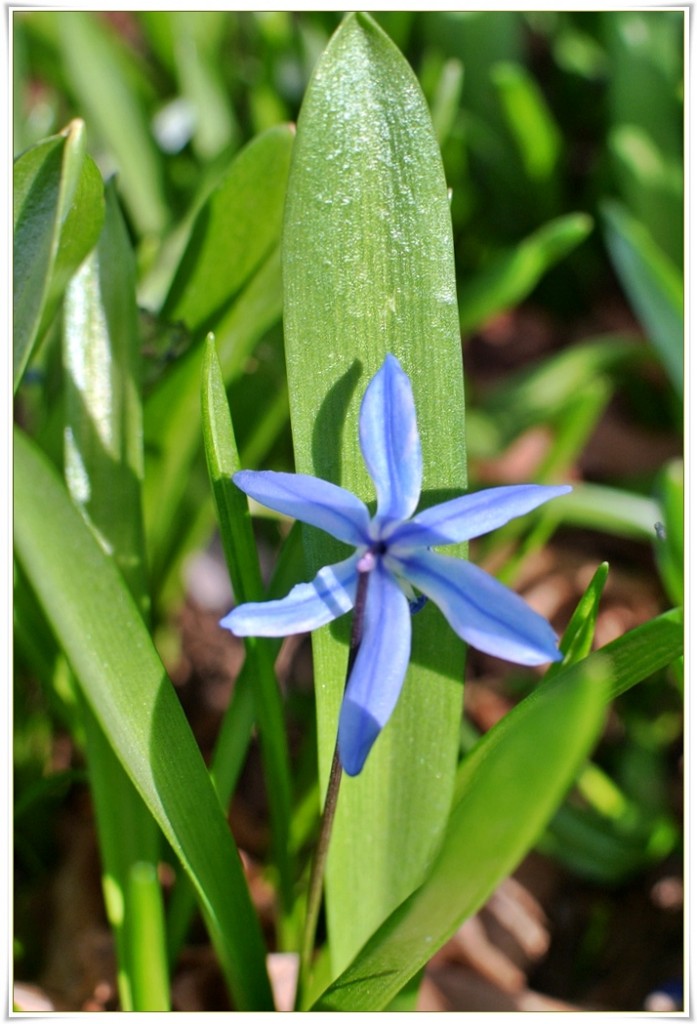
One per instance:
(393, 548)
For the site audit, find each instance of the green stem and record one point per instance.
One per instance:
(314, 894)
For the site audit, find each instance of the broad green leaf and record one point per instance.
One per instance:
(173, 420)
(101, 630)
(104, 428)
(115, 111)
(368, 269)
(58, 214)
(507, 789)
(645, 650)
(512, 275)
(653, 286)
(236, 229)
(103, 440)
(37, 181)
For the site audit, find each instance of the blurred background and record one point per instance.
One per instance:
(562, 141)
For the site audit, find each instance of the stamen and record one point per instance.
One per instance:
(366, 563)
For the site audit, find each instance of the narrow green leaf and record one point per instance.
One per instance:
(569, 437)
(480, 41)
(669, 537)
(127, 836)
(577, 640)
(606, 852)
(234, 736)
(543, 392)
(529, 121)
(651, 186)
(610, 509)
(95, 69)
(147, 937)
(512, 275)
(58, 214)
(241, 557)
(198, 50)
(122, 677)
(578, 53)
(504, 798)
(368, 269)
(653, 286)
(446, 99)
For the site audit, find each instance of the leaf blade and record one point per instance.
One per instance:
(122, 676)
(58, 213)
(474, 857)
(368, 269)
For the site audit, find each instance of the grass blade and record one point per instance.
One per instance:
(98, 76)
(652, 284)
(511, 276)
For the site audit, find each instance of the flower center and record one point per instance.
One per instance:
(367, 561)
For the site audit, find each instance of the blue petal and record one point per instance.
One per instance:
(307, 606)
(311, 500)
(471, 515)
(481, 610)
(378, 672)
(390, 441)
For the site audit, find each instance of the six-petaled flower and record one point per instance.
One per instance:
(393, 549)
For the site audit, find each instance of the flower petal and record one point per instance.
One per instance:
(311, 500)
(481, 610)
(471, 515)
(390, 441)
(306, 607)
(378, 672)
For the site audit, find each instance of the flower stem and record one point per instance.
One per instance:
(314, 894)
